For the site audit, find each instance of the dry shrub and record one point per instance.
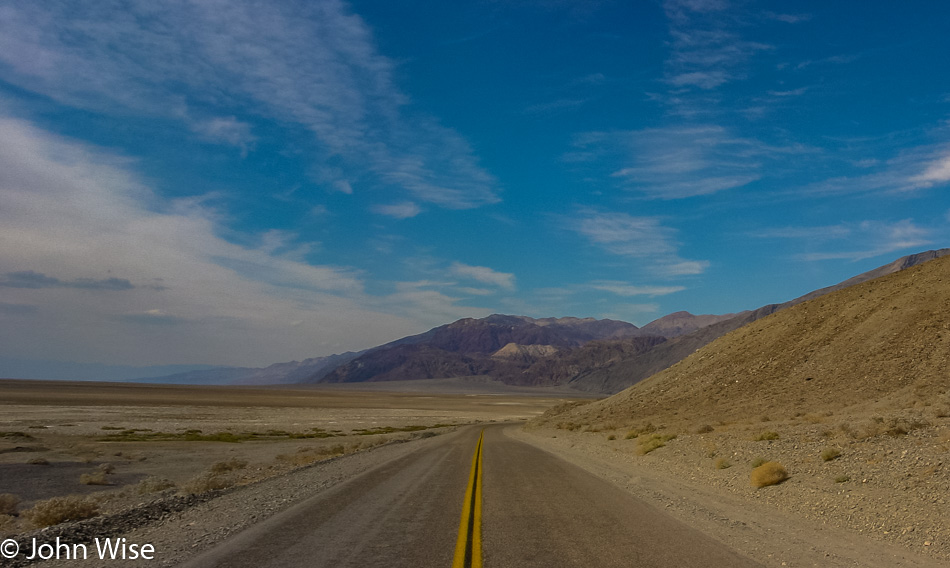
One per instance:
(723, 463)
(37, 461)
(7, 524)
(153, 484)
(829, 454)
(769, 473)
(8, 504)
(653, 442)
(97, 478)
(206, 482)
(767, 435)
(61, 509)
(704, 429)
(230, 465)
(757, 462)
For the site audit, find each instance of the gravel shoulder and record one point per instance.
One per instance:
(197, 525)
(792, 524)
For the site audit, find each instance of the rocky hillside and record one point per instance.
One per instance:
(499, 346)
(882, 345)
(634, 369)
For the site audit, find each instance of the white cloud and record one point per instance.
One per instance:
(856, 241)
(937, 172)
(702, 79)
(637, 237)
(398, 210)
(624, 289)
(310, 64)
(679, 162)
(106, 270)
(227, 130)
(483, 274)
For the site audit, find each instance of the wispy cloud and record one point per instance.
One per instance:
(36, 280)
(637, 237)
(853, 241)
(704, 51)
(403, 210)
(484, 275)
(310, 64)
(71, 215)
(625, 289)
(678, 162)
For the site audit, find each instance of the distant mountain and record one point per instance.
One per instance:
(45, 369)
(276, 374)
(634, 369)
(466, 347)
(681, 323)
(878, 346)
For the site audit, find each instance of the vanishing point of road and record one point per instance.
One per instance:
(476, 498)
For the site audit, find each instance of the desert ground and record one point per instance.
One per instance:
(115, 443)
(188, 467)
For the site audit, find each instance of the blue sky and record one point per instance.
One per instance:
(243, 183)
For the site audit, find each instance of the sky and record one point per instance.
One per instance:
(245, 182)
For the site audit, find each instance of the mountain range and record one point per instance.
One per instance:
(586, 354)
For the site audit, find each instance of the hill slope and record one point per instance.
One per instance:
(882, 345)
(632, 370)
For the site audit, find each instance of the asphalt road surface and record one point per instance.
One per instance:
(535, 510)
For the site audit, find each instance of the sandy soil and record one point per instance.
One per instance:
(890, 512)
(51, 434)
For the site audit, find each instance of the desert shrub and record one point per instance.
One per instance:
(769, 473)
(37, 461)
(97, 478)
(106, 468)
(757, 462)
(653, 442)
(631, 435)
(61, 509)
(230, 465)
(8, 504)
(842, 479)
(153, 484)
(206, 482)
(829, 454)
(7, 523)
(723, 463)
(767, 435)
(704, 429)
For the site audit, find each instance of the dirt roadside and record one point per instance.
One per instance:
(752, 526)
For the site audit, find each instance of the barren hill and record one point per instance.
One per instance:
(466, 347)
(880, 345)
(632, 370)
(681, 323)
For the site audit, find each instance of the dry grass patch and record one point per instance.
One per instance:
(206, 482)
(653, 442)
(8, 504)
(769, 473)
(767, 435)
(61, 509)
(229, 465)
(153, 484)
(829, 454)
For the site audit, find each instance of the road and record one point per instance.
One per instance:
(535, 510)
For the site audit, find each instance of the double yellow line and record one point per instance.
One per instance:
(468, 548)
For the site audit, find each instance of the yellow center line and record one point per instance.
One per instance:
(468, 547)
